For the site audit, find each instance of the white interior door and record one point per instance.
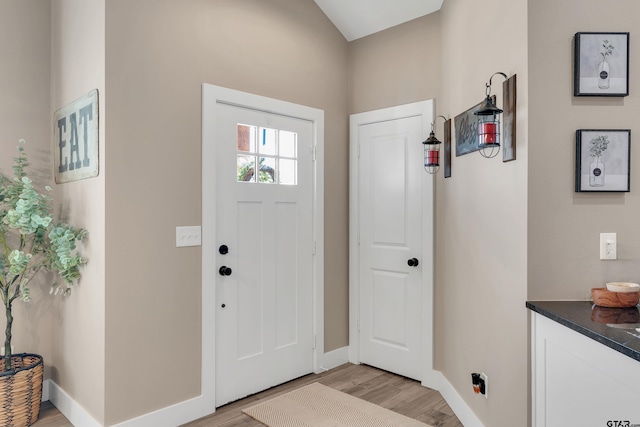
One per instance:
(393, 262)
(264, 289)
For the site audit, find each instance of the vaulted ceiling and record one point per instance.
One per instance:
(360, 18)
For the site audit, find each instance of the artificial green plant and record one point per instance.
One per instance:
(31, 241)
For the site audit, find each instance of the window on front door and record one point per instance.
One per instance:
(274, 152)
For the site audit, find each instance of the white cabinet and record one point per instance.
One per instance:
(577, 381)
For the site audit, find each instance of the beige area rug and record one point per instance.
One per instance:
(317, 405)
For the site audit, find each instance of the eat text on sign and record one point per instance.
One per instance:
(76, 139)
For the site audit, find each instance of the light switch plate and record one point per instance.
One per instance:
(188, 236)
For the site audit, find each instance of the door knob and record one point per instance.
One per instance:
(413, 262)
(223, 249)
(224, 271)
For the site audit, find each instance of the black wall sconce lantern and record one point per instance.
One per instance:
(432, 149)
(488, 122)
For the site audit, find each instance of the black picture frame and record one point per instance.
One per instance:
(592, 50)
(603, 160)
(467, 131)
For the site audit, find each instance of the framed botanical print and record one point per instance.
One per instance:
(603, 160)
(601, 64)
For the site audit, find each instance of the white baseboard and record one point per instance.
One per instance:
(335, 358)
(464, 413)
(195, 408)
(174, 415)
(75, 413)
(170, 416)
(45, 390)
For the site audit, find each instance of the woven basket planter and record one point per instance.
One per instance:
(21, 390)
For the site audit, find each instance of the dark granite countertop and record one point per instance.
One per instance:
(614, 327)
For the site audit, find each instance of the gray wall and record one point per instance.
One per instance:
(158, 55)
(24, 114)
(481, 212)
(481, 219)
(504, 232)
(396, 66)
(564, 226)
(77, 67)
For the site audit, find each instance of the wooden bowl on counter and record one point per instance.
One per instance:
(604, 298)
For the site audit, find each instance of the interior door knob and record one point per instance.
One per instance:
(223, 249)
(224, 271)
(413, 262)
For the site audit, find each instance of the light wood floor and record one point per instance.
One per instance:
(51, 417)
(390, 391)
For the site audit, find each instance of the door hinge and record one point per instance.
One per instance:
(358, 150)
(314, 341)
(314, 152)
(314, 248)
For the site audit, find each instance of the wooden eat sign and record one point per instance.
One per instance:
(76, 139)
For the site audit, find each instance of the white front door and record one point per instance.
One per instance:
(264, 250)
(392, 269)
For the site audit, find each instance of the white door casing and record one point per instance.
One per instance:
(391, 221)
(222, 105)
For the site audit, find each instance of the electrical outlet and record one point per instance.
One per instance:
(608, 246)
(484, 381)
(480, 383)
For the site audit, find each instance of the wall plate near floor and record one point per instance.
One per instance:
(484, 389)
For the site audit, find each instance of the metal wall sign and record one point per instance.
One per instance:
(75, 128)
